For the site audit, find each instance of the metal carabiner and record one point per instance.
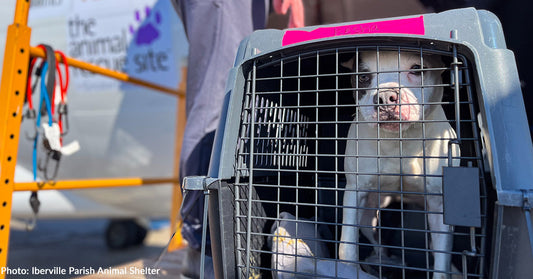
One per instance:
(35, 204)
(32, 114)
(62, 109)
(54, 155)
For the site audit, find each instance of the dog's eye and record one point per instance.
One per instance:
(364, 78)
(416, 67)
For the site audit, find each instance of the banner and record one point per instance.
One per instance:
(137, 37)
(46, 9)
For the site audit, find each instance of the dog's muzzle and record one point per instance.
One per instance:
(395, 105)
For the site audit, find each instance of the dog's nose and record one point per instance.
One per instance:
(386, 97)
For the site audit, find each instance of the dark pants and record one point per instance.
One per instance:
(214, 29)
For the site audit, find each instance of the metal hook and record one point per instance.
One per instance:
(35, 205)
(32, 224)
(62, 109)
(54, 155)
(31, 114)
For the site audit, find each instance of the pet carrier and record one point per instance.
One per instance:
(394, 148)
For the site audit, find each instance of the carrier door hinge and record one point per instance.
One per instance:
(526, 206)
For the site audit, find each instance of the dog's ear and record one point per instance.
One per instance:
(349, 64)
(434, 61)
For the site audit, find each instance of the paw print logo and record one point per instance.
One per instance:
(148, 32)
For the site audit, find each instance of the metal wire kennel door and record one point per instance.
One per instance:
(295, 121)
(371, 143)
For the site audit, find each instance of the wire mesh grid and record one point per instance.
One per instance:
(312, 119)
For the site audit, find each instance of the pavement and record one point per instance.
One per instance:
(77, 249)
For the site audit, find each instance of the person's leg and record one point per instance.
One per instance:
(214, 29)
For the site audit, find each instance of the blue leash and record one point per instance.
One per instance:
(46, 98)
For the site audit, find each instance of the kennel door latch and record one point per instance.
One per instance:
(461, 198)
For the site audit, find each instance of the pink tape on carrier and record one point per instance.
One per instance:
(413, 26)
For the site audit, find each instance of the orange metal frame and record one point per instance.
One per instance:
(13, 87)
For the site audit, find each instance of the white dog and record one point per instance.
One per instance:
(389, 105)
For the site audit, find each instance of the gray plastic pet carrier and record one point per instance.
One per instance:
(395, 148)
